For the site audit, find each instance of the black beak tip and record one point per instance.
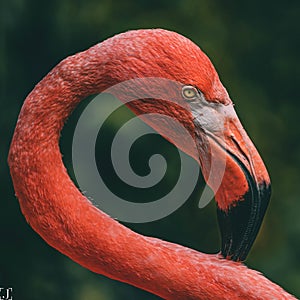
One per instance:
(239, 225)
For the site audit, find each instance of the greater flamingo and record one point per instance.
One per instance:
(67, 221)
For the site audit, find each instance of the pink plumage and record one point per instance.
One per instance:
(67, 221)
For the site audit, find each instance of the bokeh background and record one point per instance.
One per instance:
(254, 48)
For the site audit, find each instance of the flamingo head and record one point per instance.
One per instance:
(230, 163)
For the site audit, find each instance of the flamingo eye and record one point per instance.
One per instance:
(189, 92)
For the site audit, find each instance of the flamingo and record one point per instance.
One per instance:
(69, 222)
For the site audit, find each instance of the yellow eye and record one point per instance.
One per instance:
(189, 92)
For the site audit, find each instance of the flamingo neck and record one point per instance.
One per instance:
(67, 221)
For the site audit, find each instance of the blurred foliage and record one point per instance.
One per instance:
(253, 46)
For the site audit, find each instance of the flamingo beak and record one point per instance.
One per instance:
(230, 165)
(236, 173)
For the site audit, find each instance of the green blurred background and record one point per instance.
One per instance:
(253, 46)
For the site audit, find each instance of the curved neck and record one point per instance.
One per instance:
(66, 220)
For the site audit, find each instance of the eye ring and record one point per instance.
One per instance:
(189, 92)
